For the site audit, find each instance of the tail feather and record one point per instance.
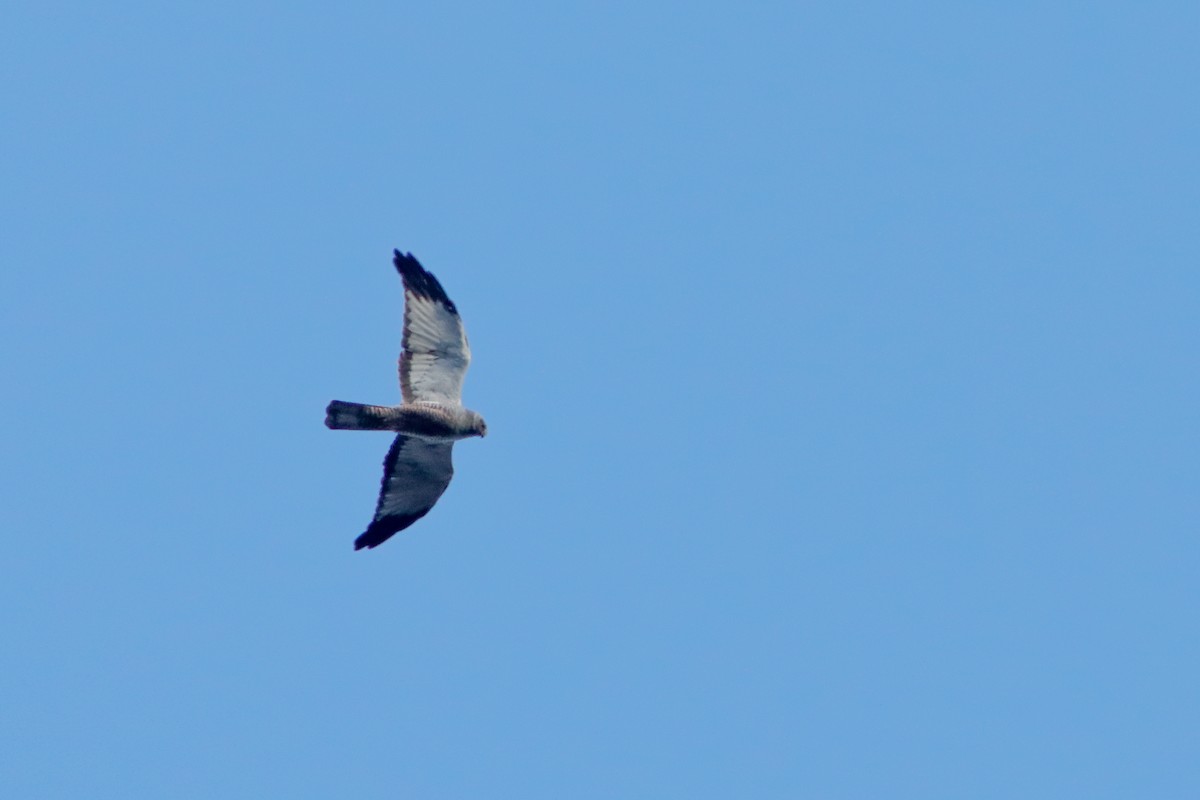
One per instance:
(343, 416)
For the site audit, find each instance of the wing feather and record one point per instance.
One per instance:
(415, 474)
(434, 351)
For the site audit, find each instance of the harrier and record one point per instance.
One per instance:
(433, 361)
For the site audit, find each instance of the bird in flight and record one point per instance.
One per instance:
(434, 356)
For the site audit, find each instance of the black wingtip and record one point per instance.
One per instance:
(407, 265)
(384, 528)
(369, 539)
(420, 281)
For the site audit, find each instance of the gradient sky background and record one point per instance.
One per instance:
(839, 361)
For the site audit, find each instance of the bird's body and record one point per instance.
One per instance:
(430, 421)
(433, 361)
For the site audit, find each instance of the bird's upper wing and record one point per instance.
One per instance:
(434, 352)
(415, 474)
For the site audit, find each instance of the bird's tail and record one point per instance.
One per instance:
(343, 416)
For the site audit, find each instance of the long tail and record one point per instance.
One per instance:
(343, 416)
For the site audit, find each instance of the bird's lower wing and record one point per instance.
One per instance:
(415, 474)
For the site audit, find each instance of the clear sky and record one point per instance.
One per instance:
(839, 360)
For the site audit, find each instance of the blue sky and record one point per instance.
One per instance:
(838, 360)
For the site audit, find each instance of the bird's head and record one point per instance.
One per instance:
(478, 426)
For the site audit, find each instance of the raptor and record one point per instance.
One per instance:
(434, 356)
